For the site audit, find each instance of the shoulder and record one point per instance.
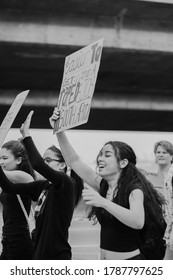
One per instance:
(135, 186)
(137, 192)
(150, 176)
(148, 173)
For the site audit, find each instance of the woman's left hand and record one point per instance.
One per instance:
(55, 116)
(92, 197)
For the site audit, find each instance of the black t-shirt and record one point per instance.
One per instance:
(115, 235)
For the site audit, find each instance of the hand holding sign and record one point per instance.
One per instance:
(24, 129)
(55, 116)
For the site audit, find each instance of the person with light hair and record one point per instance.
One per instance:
(162, 181)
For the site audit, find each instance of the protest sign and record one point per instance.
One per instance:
(79, 79)
(11, 114)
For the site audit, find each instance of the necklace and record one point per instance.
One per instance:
(111, 192)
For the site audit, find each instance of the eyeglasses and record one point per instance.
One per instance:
(48, 160)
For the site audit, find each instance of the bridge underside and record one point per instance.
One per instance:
(134, 89)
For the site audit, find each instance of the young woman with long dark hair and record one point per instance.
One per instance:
(122, 199)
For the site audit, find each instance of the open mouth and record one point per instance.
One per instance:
(101, 166)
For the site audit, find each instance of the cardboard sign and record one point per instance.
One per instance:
(79, 79)
(11, 114)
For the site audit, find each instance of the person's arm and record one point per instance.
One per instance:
(133, 217)
(33, 189)
(72, 158)
(35, 158)
(18, 176)
(38, 163)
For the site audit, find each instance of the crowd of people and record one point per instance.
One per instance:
(123, 199)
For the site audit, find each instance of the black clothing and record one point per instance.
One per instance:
(115, 235)
(17, 247)
(56, 211)
(15, 231)
(14, 219)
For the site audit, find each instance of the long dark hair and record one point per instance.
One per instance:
(130, 177)
(76, 178)
(18, 150)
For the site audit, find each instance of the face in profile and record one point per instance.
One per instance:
(8, 161)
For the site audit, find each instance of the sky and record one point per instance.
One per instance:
(88, 143)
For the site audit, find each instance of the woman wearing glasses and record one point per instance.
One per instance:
(56, 199)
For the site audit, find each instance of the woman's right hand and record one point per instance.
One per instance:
(24, 129)
(55, 116)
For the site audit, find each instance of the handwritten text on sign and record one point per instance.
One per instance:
(79, 79)
(11, 114)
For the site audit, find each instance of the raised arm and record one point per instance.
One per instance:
(34, 155)
(35, 158)
(73, 159)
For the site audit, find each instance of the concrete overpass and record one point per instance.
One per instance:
(134, 89)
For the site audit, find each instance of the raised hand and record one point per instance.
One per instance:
(24, 129)
(54, 117)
